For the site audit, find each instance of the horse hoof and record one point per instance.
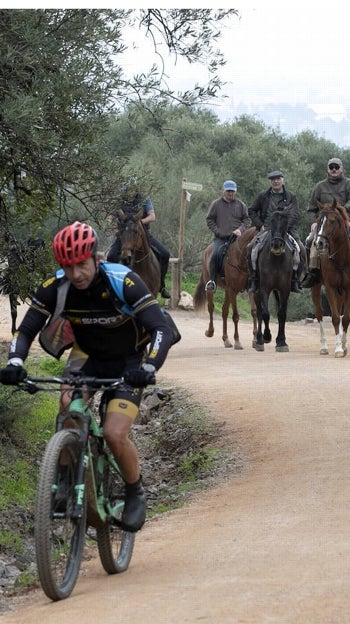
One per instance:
(238, 346)
(339, 354)
(209, 334)
(228, 344)
(282, 349)
(267, 338)
(259, 347)
(324, 352)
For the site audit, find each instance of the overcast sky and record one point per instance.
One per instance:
(286, 51)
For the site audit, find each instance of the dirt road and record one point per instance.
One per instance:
(270, 545)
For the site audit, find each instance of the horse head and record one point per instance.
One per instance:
(131, 233)
(332, 224)
(278, 231)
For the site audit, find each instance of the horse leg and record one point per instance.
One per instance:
(235, 319)
(210, 301)
(224, 314)
(281, 345)
(266, 318)
(316, 300)
(259, 345)
(254, 317)
(13, 308)
(345, 324)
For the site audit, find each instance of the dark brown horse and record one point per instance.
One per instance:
(275, 268)
(135, 250)
(333, 245)
(233, 280)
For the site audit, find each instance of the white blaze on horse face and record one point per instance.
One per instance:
(320, 231)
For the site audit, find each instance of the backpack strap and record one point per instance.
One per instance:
(114, 275)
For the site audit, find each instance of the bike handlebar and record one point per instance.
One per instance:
(32, 384)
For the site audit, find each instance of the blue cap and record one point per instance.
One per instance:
(230, 185)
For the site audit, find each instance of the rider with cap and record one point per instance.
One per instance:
(337, 186)
(276, 197)
(148, 217)
(227, 218)
(106, 342)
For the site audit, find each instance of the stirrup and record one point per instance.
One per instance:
(211, 286)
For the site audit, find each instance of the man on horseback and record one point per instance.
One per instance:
(227, 218)
(337, 186)
(161, 252)
(277, 197)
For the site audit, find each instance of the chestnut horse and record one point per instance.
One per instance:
(234, 279)
(135, 249)
(333, 245)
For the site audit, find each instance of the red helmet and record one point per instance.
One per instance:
(75, 243)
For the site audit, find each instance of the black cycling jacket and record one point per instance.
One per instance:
(100, 329)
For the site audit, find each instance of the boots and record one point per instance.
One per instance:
(253, 282)
(312, 278)
(296, 286)
(134, 514)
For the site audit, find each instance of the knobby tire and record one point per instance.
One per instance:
(59, 539)
(115, 546)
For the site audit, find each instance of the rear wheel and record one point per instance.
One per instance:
(115, 546)
(59, 538)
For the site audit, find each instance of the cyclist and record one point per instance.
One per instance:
(108, 330)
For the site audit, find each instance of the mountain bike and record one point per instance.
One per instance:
(80, 486)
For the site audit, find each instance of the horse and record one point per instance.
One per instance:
(21, 261)
(333, 245)
(275, 269)
(135, 249)
(232, 279)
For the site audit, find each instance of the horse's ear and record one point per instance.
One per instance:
(121, 214)
(319, 205)
(334, 203)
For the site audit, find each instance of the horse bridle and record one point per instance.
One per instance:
(328, 238)
(131, 250)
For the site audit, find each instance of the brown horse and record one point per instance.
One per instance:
(135, 249)
(233, 280)
(333, 245)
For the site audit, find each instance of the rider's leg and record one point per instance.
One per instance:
(213, 264)
(252, 258)
(164, 256)
(119, 418)
(298, 262)
(314, 274)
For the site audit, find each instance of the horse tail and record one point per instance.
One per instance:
(199, 297)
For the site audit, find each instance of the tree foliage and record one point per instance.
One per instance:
(61, 76)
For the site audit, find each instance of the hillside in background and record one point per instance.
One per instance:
(293, 119)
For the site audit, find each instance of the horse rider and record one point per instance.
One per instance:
(337, 186)
(227, 218)
(148, 216)
(276, 197)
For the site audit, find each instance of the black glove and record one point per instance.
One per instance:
(12, 375)
(139, 378)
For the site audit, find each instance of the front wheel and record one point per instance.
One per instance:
(115, 546)
(59, 538)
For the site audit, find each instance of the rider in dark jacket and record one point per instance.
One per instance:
(277, 197)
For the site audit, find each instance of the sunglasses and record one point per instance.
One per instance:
(336, 167)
